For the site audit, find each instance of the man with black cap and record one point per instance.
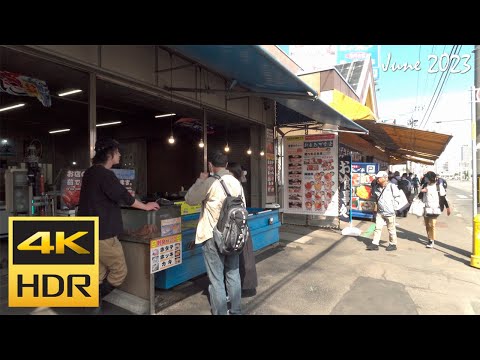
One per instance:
(101, 195)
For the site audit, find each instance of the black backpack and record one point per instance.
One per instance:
(231, 232)
(404, 185)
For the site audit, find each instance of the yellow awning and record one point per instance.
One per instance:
(351, 108)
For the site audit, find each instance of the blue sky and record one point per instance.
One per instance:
(399, 84)
(406, 95)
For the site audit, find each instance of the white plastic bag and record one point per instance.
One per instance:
(416, 208)
(401, 202)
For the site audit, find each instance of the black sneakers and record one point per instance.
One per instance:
(372, 247)
(391, 247)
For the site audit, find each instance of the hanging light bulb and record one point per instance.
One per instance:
(201, 144)
(227, 149)
(249, 151)
(171, 139)
(262, 153)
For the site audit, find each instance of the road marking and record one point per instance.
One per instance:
(462, 196)
(463, 199)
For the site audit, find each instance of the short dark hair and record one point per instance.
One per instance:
(103, 148)
(235, 169)
(218, 159)
(431, 176)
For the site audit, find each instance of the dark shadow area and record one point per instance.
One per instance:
(453, 257)
(261, 298)
(422, 239)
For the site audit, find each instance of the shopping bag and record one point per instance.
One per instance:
(401, 202)
(417, 206)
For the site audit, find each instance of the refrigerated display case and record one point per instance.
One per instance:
(264, 227)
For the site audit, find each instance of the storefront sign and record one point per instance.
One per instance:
(311, 174)
(70, 189)
(344, 181)
(21, 85)
(362, 176)
(170, 226)
(127, 179)
(186, 209)
(165, 253)
(270, 156)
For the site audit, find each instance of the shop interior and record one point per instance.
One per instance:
(31, 136)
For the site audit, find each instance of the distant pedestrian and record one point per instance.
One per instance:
(415, 183)
(431, 195)
(384, 194)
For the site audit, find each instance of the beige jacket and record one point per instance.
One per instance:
(211, 195)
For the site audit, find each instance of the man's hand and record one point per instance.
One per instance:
(204, 175)
(151, 206)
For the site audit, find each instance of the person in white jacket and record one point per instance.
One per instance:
(431, 193)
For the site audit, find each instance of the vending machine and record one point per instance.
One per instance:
(363, 175)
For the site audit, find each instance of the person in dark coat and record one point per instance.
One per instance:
(248, 270)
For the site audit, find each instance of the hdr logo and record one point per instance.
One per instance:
(53, 261)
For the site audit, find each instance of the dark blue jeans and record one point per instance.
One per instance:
(217, 265)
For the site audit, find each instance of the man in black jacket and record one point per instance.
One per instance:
(101, 195)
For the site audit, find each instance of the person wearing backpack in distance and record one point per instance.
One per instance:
(221, 269)
(432, 193)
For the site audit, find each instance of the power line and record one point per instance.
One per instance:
(438, 89)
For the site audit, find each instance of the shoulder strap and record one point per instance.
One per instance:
(378, 199)
(223, 184)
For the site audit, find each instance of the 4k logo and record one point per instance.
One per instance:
(53, 261)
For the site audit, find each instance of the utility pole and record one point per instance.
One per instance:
(475, 258)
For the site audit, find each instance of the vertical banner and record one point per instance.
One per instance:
(344, 180)
(270, 156)
(311, 173)
(70, 189)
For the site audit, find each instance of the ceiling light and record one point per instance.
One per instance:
(74, 163)
(109, 123)
(201, 144)
(249, 151)
(227, 149)
(70, 92)
(262, 153)
(171, 140)
(12, 107)
(58, 131)
(165, 115)
(4, 141)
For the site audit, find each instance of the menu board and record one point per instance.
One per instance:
(362, 176)
(311, 174)
(344, 181)
(270, 157)
(165, 253)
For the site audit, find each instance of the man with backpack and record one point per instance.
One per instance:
(406, 186)
(221, 269)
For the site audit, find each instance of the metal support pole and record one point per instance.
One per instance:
(92, 113)
(205, 145)
(475, 258)
(474, 152)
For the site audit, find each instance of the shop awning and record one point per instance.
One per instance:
(299, 111)
(406, 143)
(351, 108)
(249, 66)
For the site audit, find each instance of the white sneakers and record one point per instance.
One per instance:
(430, 244)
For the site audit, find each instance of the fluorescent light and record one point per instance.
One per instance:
(165, 115)
(109, 123)
(12, 107)
(58, 131)
(70, 92)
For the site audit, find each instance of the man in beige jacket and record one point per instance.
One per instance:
(209, 192)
